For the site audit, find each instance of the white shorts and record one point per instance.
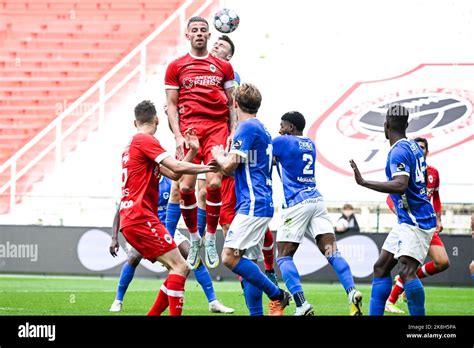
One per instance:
(308, 217)
(179, 238)
(201, 176)
(247, 233)
(407, 240)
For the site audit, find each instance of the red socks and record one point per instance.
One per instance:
(161, 302)
(268, 254)
(213, 208)
(172, 294)
(189, 210)
(426, 270)
(176, 293)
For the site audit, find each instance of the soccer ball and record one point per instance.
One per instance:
(226, 21)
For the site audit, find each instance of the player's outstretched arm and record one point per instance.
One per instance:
(173, 120)
(114, 245)
(180, 167)
(193, 141)
(397, 185)
(228, 164)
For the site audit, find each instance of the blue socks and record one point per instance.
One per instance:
(381, 288)
(290, 275)
(204, 279)
(252, 274)
(343, 271)
(173, 213)
(126, 277)
(201, 221)
(253, 298)
(415, 296)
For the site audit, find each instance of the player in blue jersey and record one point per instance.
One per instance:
(408, 242)
(128, 270)
(250, 159)
(304, 212)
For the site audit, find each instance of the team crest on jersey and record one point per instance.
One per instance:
(401, 167)
(355, 122)
(168, 238)
(212, 67)
(236, 145)
(188, 83)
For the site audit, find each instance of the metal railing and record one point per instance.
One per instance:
(56, 126)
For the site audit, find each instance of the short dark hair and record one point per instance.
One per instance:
(248, 98)
(296, 119)
(145, 111)
(229, 41)
(397, 117)
(197, 19)
(347, 206)
(422, 140)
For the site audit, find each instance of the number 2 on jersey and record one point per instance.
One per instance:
(307, 168)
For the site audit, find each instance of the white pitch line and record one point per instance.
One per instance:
(11, 309)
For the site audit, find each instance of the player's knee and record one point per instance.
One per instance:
(214, 182)
(407, 270)
(286, 249)
(380, 269)
(182, 268)
(134, 261)
(229, 258)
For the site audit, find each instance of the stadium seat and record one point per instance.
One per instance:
(53, 51)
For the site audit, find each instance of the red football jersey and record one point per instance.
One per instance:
(201, 82)
(140, 177)
(432, 187)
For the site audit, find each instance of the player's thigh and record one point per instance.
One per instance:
(247, 233)
(294, 223)
(320, 226)
(174, 261)
(413, 242)
(216, 134)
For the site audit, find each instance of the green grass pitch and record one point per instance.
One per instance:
(38, 295)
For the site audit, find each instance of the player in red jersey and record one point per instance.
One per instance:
(141, 163)
(199, 94)
(437, 251)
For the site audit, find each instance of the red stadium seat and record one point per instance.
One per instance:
(53, 51)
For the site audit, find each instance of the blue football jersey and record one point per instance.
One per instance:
(253, 176)
(164, 188)
(295, 159)
(413, 207)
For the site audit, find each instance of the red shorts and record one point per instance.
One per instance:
(209, 133)
(436, 240)
(150, 239)
(229, 200)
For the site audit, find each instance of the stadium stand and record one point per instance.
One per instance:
(52, 52)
